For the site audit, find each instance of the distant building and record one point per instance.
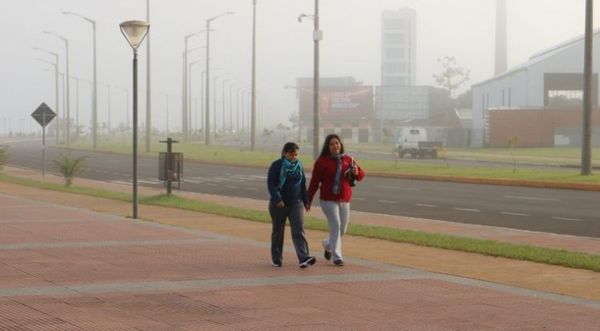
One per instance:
(550, 79)
(399, 47)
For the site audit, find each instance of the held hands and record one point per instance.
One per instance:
(307, 207)
(280, 204)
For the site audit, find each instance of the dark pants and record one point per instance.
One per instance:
(295, 213)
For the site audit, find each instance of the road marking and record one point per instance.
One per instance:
(400, 188)
(388, 202)
(426, 205)
(529, 198)
(513, 214)
(567, 219)
(471, 210)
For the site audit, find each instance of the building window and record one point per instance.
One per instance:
(395, 53)
(396, 24)
(394, 38)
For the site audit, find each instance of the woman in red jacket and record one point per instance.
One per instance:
(334, 173)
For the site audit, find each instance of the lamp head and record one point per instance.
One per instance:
(134, 32)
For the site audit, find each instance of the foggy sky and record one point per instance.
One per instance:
(351, 47)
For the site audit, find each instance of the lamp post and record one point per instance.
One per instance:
(94, 84)
(185, 99)
(55, 84)
(134, 32)
(67, 106)
(223, 101)
(207, 118)
(148, 84)
(253, 93)
(586, 131)
(189, 93)
(317, 36)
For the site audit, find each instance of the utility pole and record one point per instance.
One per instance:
(148, 84)
(253, 93)
(317, 36)
(586, 134)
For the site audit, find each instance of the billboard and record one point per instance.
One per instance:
(335, 103)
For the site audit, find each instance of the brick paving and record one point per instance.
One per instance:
(67, 268)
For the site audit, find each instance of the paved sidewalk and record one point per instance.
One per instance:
(68, 268)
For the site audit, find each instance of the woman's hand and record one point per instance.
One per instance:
(355, 169)
(307, 207)
(280, 204)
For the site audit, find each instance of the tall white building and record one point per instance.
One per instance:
(398, 47)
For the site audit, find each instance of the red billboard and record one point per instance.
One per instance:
(338, 102)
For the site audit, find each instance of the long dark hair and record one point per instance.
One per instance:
(289, 147)
(325, 149)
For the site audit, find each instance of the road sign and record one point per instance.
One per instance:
(43, 114)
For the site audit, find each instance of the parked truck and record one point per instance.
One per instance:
(416, 142)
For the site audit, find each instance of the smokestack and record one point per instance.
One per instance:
(500, 58)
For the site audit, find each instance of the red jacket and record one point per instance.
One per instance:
(323, 174)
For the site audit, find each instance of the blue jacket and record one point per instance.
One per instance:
(293, 190)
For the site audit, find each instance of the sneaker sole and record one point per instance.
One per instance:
(308, 262)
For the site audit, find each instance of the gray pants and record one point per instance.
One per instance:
(295, 213)
(338, 215)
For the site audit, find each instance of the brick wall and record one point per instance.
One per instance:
(533, 127)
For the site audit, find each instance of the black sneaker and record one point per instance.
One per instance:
(327, 255)
(339, 263)
(308, 262)
(276, 264)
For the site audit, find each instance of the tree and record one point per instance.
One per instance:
(452, 75)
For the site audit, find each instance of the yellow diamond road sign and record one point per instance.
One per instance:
(43, 114)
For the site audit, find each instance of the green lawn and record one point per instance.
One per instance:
(240, 156)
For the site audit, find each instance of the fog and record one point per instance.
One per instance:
(351, 47)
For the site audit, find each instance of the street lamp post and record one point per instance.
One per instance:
(185, 99)
(148, 84)
(189, 93)
(55, 84)
(253, 93)
(317, 36)
(223, 101)
(207, 115)
(67, 106)
(94, 84)
(134, 32)
(586, 132)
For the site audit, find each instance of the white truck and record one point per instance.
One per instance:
(415, 141)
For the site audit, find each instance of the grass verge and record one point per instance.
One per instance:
(486, 247)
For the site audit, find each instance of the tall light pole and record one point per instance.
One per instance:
(185, 99)
(586, 134)
(67, 106)
(317, 36)
(207, 69)
(253, 93)
(55, 64)
(223, 101)
(108, 88)
(148, 84)
(189, 93)
(134, 32)
(94, 83)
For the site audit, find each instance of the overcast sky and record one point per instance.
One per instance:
(351, 47)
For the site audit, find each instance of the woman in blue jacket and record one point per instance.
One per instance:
(287, 187)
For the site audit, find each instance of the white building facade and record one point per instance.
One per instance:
(399, 47)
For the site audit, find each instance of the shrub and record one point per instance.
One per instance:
(69, 167)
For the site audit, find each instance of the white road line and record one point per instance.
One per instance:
(566, 219)
(513, 214)
(471, 210)
(529, 198)
(399, 188)
(425, 205)
(388, 202)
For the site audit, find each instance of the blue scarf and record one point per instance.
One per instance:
(338, 174)
(289, 169)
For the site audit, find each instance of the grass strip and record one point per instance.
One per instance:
(471, 245)
(494, 248)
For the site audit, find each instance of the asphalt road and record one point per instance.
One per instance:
(547, 210)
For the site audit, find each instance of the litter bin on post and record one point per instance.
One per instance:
(170, 166)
